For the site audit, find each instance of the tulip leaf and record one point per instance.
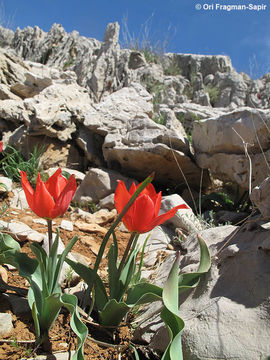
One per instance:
(50, 311)
(140, 293)
(42, 259)
(8, 243)
(87, 274)
(61, 260)
(70, 302)
(191, 280)
(52, 262)
(113, 313)
(35, 318)
(127, 272)
(169, 314)
(113, 272)
(137, 276)
(135, 351)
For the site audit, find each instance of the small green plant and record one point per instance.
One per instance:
(93, 207)
(150, 56)
(68, 63)
(27, 350)
(187, 120)
(69, 276)
(14, 343)
(188, 91)
(215, 201)
(14, 161)
(144, 41)
(214, 93)
(155, 88)
(159, 119)
(172, 70)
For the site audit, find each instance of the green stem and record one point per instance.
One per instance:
(122, 263)
(49, 222)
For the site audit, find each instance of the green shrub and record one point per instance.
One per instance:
(213, 92)
(187, 120)
(159, 119)
(14, 161)
(172, 70)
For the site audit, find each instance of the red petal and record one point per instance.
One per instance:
(65, 197)
(143, 213)
(28, 190)
(157, 203)
(162, 218)
(132, 189)
(43, 201)
(56, 184)
(1, 146)
(121, 196)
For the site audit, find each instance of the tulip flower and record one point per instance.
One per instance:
(52, 198)
(1, 146)
(143, 213)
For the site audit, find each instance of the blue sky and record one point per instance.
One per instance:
(243, 35)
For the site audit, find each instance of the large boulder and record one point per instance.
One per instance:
(98, 184)
(227, 315)
(55, 109)
(234, 146)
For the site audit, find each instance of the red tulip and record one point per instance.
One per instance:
(51, 199)
(143, 213)
(1, 146)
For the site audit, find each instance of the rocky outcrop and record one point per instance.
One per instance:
(92, 94)
(133, 143)
(118, 132)
(234, 146)
(102, 67)
(55, 49)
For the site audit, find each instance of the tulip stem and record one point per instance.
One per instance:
(122, 263)
(49, 222)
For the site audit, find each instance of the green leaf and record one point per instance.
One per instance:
(88, 275)
(61, 260)
(135, 351)
(8, 243)
(36, 320)
(2, 185)
(169, 314)
(52, 263)
(113, 313)
(51, 308)
(127, 273)
(140, 293)
(36, 295)
(70, 302)
(191, 280)
(42, 259)
(113, 272)
(137, 276)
